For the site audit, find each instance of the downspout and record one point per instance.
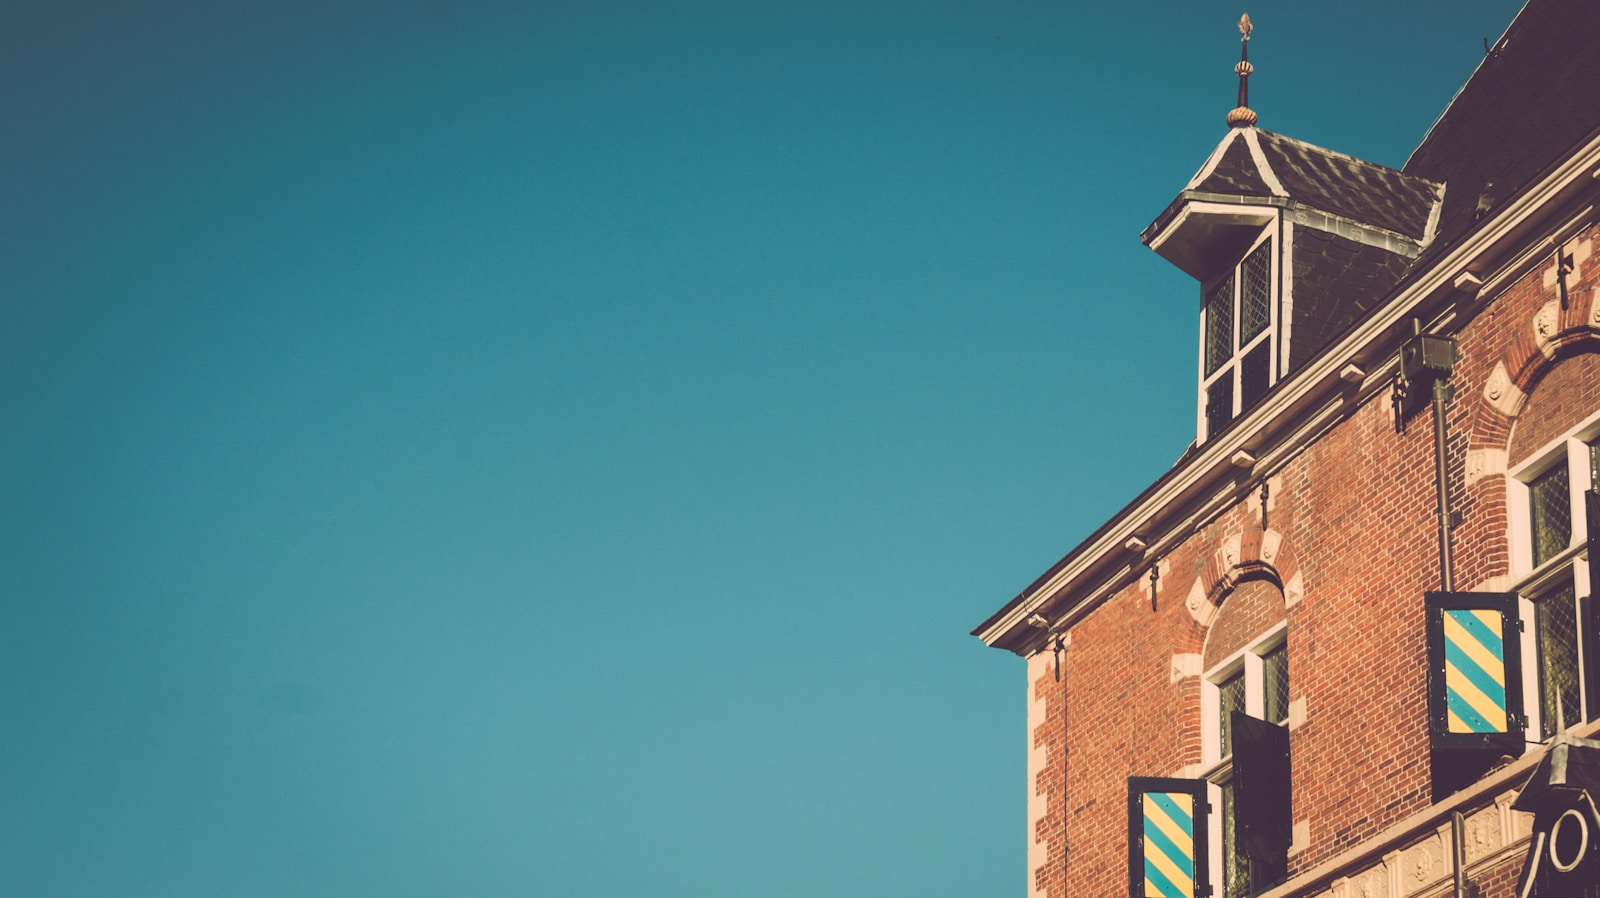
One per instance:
(1441, 398)
(1428, 359)
(1458, 835)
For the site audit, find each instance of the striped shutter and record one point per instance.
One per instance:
(1474, 670)
(1167, 838)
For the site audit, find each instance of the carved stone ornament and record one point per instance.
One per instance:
(1483, 834)
(1501, 393)
(1370, 883)
(1423, 864)
(1230, 552)
(1483, 463)
(1201, 610)
(1594, 309)
(1270, 541)
(1546, 323)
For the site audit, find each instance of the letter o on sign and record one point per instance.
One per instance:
(1569, 840)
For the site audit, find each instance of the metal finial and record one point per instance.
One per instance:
(1243, 116)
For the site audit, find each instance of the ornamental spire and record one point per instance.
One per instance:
(1243, 116)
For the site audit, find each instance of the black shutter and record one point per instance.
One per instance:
(1168, 848)
(1475, 671)
(1588, 621)
(1261, 798)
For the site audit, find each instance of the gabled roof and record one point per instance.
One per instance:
(1349, 187)
(1251, 171)
(1527, 120)
(1532, 100)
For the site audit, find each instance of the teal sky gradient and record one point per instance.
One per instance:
(555, 449)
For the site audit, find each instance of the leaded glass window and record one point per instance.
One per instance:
(1230, 698)
(1550, 513)
(1219, 326)
(1275, 685)
(1219, 405)
(1549, 501)
(1255, 294)
(1238, 342)
(1255, 375)
(1235, 865)
(1560, 698)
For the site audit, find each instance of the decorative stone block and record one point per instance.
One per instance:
(1503, 395)
(1271, 541)
(1483, 463)
(1186, 665)
(1423, 864)
(1546, 324)
(1201, 610)
(1483, 834)
(1372, 882)
(1294, 590)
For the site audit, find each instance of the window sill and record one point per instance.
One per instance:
(1539, 578)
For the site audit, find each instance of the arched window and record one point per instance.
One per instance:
(1548, 518)
(1245, 703)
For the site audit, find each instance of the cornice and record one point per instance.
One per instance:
(1291, 417)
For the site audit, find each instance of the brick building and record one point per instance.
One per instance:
(1345, 646)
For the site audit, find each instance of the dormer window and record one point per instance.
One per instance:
(1238, 353)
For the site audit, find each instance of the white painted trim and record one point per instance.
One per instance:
(1212, 160)
(1570, 450)
(1249, 660)
(1285, 304)
(1234, 213)
(1039, 665)
(1431, 229)
(1296, 399)
(1263, 168)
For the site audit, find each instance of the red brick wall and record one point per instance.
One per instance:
(1253, 608)
(1356, 513)
(1564, 397)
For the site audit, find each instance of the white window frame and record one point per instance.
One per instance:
(1233, 367)
(1218, 769)
(1255, 692)
(1570, 564)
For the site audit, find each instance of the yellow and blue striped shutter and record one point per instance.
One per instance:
(1167, 838)
(1475, 669)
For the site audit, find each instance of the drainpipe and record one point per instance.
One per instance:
(1458, 837)
(1428, 359)
(1441, 398)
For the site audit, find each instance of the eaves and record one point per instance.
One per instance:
(1292, 416)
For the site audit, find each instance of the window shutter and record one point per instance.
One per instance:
(1168, 850)
(1475, 671)
(1261, 801)
(1588, 619)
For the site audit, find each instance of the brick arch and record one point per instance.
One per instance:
(1567, 392)
(1252, 555)
(1253, 607)
(1529, 356)
(1256, 555)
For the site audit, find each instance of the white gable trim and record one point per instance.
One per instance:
(1252, 141)
(1216, 157)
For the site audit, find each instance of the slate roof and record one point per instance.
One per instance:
(1530, 103)
(1322, 179)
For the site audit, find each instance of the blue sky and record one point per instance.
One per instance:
(489, 448)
